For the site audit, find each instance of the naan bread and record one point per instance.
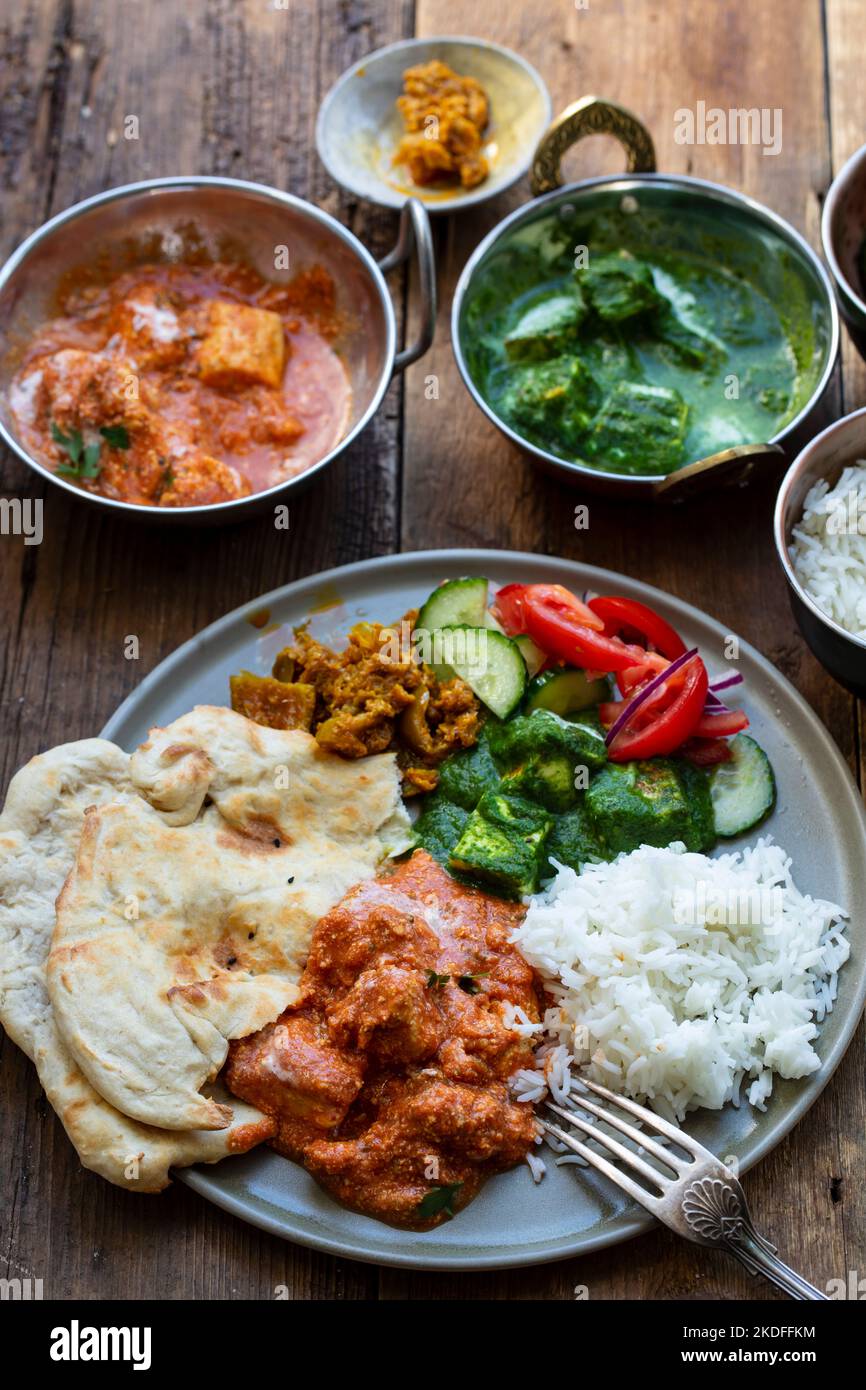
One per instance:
(39, 832)
(269, 782)
(172, 939)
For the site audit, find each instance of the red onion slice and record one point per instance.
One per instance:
(713, 703)
(620, 722)
(725, 682)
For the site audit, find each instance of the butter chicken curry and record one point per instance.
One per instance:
(183, 385)
(388, 1079)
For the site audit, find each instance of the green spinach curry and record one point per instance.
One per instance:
(509, 809)
(615, 346)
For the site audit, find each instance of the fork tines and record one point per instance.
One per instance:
(698, 1197)
(660, 1181)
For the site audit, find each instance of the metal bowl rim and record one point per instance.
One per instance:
(275, 195)
(780, 518)
(843, 284)
(626, 183)
(446, 205)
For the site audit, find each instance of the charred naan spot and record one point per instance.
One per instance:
(179, 750)
(253, 839)
(193, 994)
(264, 829)
(225, 954)
(200, 992)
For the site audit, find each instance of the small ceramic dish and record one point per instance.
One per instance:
(359, 126)
(843, 233)
(842, 653)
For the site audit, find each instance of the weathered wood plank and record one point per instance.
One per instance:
(220, 88)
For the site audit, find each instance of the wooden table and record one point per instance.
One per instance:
(232, 87)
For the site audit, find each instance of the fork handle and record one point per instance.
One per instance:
(760, 1260)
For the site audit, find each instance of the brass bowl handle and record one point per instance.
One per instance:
(731, 467)
(590, 116)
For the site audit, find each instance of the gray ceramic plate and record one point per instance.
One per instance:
(819, 819)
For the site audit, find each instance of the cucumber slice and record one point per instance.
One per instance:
(743, 790)
(455, 603)
(488, 661)
(532, 655)
(565, 691)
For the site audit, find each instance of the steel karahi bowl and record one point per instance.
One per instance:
(823, 459)
(160, 220)
(778, 260)
(843, 233)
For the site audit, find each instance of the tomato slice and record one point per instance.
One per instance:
(706, 752)
(721, 725)
(559, 632)
(507, 609)
(627, 616)
(509, 606)
(561, 597)
(671, 725)
(630, 680)
(609, 711)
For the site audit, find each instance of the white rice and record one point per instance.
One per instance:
(680, 979)
(828, 549)
(537, 1166)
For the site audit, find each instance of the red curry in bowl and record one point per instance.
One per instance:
(182, 385)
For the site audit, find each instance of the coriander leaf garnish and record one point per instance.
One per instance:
(470, 982)
(90, 461)
(435, 981)
(71, 443)
(439, 1199)
(116, 436)
(84, 459)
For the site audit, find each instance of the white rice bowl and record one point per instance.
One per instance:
(828, 548)
(680, 979)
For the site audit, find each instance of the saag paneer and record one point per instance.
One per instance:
(538, 788)
(630, 359)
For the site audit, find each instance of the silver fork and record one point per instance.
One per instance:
(703, 1201)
